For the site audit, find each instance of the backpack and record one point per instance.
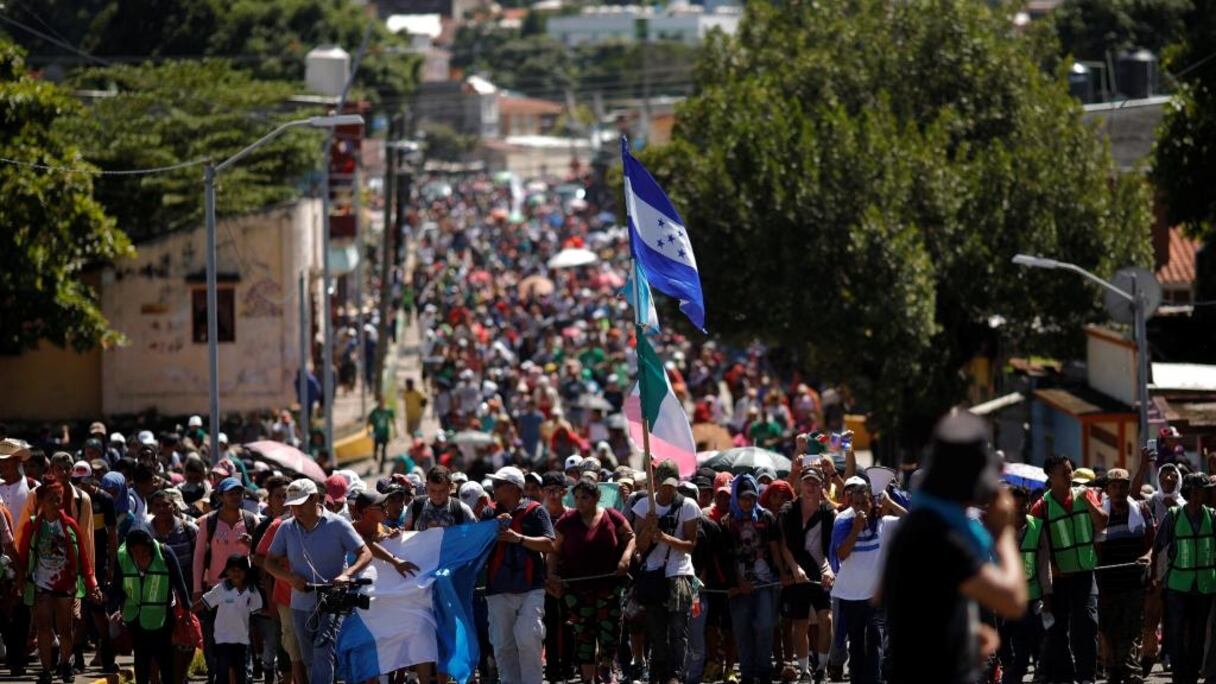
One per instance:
(213, 521)
(454, 507)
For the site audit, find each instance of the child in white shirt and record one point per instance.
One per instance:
(233, 601)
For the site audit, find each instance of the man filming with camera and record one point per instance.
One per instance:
(311, 549)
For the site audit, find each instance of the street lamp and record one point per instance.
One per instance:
(1136, 297)
(209, 173)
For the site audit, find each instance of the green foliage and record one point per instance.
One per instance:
(52, 226)
(179, 111)
(1184, 159)
(445, 144)
(856, 177)
(270, 38)
(1088, 29)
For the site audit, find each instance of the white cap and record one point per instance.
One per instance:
(299, 491)
(471, 493)
(223, 438)
(856, 481)
(195, 421)
(573, 461)
(509, 474)
(458, 476)
(117, 437)
(145, 437)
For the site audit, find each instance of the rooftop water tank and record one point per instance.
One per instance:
(325, 70)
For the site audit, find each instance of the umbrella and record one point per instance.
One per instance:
(575, 256)
(1029, 476)
(711, 437)
(748, 460)
(594, 402)
(703, 456)
(287, 457)
(535, 286)
(475, 438)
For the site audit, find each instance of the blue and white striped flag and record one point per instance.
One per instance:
(644, 313)
(659, 240)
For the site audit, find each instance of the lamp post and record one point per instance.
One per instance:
(1136, 297)
(209, 174)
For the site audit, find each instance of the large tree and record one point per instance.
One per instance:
(160, 115)
(856, 177)
(50, 226)
(1184, 159)
(1092, 29)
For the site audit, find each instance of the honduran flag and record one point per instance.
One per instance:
(424, 618)
(659, 241)
(652, 397)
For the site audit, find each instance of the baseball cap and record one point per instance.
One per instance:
(228, 484)
(811, 474)
(554, 478)
(81, 470)
(1082, 475)
(856, 481)
(534, 479)
(509, 474)
(1168, 432)
(722, 482)
(687, 489)
(195, 421)
(299, 491)
(367, 498)
(146, 438)
(766, 471)
(94, 443)
(117, 438)
(460, 477)
(223, 438)
(471, 493)
(573, 461)
(747, 486)
(1117, 475)
(97, 428)
(336, 488)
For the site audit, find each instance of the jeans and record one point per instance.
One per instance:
(753, 616)
(271, 635)
(231, 658)
(153, 647)
(694, 659)
(1186, 625)
(517, 631)
(1020, 638)
(16, 636)
(317, 640)
(838, 653)
(667, 631)
(864, 625)
(1072, 642)
(1119, 619)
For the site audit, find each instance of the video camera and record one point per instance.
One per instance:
(342, 599)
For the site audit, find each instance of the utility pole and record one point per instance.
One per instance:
(387, 248)
(305, 352)
(361, 352)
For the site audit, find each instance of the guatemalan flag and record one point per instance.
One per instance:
(652, 397)
(659, 241)
(425, 618)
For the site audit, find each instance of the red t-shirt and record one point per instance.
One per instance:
(282, 590)
(587, 552)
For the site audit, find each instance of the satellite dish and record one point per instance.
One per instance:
(1133, 279)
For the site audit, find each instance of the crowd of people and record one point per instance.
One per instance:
(603, 571)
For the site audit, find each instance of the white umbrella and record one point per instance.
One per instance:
(575, 256)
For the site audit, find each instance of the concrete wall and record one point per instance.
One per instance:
(148, 298)
(50, 383)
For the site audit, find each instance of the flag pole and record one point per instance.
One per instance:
(647, 461)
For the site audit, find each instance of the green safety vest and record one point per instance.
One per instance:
(73, 548)
(1030, 551)
(1192, 560)
(1071, 535)
(147, 594)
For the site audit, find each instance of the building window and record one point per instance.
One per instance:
(225, 312)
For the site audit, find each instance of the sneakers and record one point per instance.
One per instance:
(45, 677)
(65, 673)
(78, 662)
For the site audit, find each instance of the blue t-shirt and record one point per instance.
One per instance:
(529, 430)
(317, 555)
(511, 574)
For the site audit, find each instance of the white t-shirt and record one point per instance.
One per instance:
(14, 495)
(860, 573)
(678, 563)
(232, 611)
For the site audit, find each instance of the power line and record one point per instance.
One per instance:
(104, 172)
(54, 41)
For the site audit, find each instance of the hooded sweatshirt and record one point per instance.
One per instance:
(751, 535)
(1158, 502)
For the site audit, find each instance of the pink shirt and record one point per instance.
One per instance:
(227, 541)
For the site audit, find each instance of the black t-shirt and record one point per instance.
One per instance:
(103, 517)
(930, 624)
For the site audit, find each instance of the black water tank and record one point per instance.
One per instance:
(1081, 83)
(1137, 74)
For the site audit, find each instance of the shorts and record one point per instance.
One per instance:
(798, 600)
(288, 635)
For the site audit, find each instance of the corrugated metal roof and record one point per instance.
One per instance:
(1180, 269)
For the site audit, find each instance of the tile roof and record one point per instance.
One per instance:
(1179, 269)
